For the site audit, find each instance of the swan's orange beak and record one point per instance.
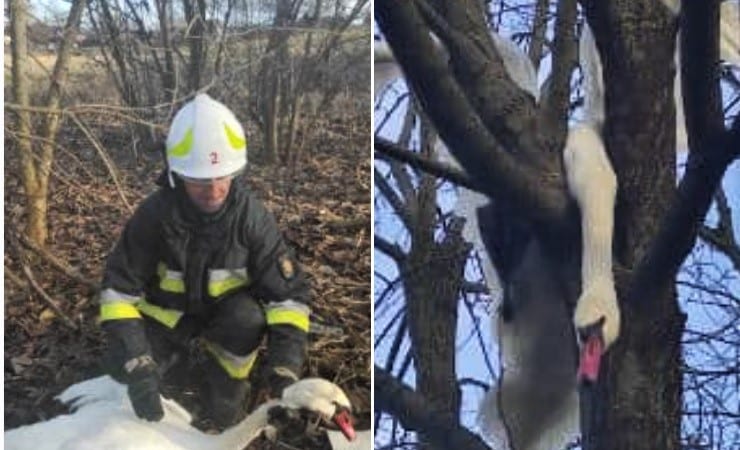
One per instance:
(591, 351)
(343, 420)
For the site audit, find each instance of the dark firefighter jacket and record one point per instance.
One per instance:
(171, 260)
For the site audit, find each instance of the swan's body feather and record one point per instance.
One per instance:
(103, 418)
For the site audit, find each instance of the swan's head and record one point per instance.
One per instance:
(597, 321)
(323, 398)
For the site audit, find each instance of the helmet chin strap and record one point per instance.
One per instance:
(170, 178)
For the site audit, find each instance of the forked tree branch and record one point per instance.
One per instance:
(542, 200)
(712, 151)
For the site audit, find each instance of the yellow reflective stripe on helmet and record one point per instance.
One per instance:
(183, 147)
(236, 141)
(117, 311)
(167, 317)
(237, 367)
(221, 281)
(287, 317)
(170, 280)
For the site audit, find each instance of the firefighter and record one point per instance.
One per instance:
(202, 258)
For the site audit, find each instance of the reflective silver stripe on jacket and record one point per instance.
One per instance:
(111, 295)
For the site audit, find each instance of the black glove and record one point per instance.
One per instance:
(277, 379)
(143, 388)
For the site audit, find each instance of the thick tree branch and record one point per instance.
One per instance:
(539, 27)
(712, 150)
(480, 72)
(539, 198)
(556, 101)
(679, 227)
(435, 168)
(413, 411)
(700, 71)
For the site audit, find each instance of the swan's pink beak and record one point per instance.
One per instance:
(588, 368)
(344, 421)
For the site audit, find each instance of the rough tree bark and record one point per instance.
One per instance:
(491, 128)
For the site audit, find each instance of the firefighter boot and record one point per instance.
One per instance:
(225, 397)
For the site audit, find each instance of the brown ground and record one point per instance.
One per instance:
(323, 208)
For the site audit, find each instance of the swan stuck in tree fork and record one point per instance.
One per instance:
(511, 412)
(103, 418)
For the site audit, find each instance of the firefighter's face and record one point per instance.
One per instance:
(208, 195)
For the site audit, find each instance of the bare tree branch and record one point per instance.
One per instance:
(414, 413)
(680, 225)
(435, 168)
(542, 199)
(49, 301)
(480, 73)
(539, 27)
(393, 199)
(55, 261)
(556, 101)
(699, 66)
(392, 250)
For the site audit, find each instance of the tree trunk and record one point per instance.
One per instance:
(36, 224)
(37, 168)
(167, 74)
(638, 406)
(273, 63)
(195, 14)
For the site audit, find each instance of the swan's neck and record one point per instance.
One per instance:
(597, 223)
(243, 433)
(593, 184)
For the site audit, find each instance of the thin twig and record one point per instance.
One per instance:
(10, 275)
(56, 262)
(49, 301)
(106, 159)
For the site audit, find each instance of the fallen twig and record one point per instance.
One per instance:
(56, 262)
(50, 301)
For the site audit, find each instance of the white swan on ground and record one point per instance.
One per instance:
(103, 418)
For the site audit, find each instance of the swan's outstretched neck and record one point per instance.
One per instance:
(249, 429)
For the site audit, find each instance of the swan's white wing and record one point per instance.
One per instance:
(103, 418)
(729, 36)
(101, 425)
(517, 64)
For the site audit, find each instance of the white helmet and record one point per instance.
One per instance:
(205, 141)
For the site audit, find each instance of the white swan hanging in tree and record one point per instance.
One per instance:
(104, 419)
(593, 184)
(584, 154)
